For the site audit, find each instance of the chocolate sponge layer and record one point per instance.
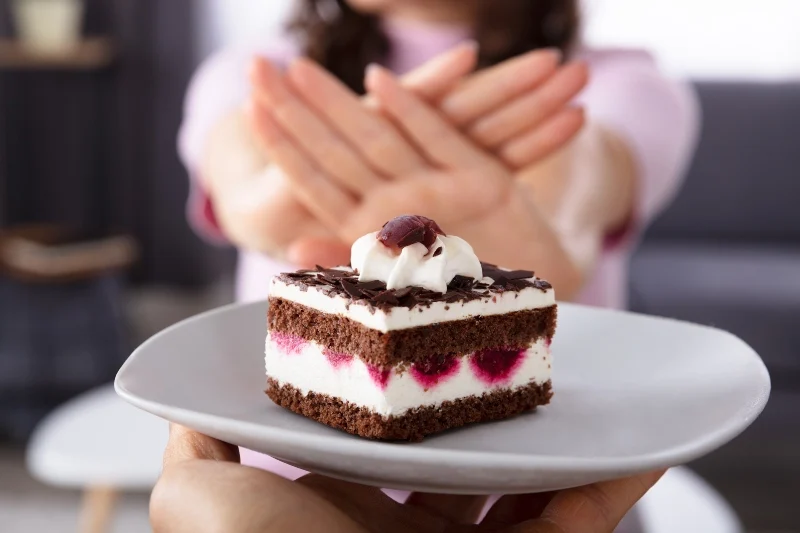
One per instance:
(461, 337)
(416, 423)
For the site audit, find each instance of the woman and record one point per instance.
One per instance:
(291, 166)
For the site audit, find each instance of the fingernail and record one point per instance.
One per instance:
(253, 68)
(471, 44)
(373, 71)
(250, 107)
(298, 62)
(557, 53)
(370, 102)
(579, 109)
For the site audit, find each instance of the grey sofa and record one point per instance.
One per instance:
(727, 253)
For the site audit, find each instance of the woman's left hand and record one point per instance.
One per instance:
(355, 169)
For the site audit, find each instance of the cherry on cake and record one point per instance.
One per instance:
(416, 337)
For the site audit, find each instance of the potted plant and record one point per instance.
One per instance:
(49, 26)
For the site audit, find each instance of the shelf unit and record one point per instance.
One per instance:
(90, 54)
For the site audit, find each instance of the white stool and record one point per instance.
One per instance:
(103, 446)
(683, 501)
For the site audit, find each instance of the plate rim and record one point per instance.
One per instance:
(281, 437)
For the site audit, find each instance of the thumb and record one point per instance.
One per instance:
(187, 445)
(309, 253)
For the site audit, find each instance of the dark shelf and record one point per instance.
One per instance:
(91, 54)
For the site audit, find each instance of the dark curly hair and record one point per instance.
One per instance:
(345, 41)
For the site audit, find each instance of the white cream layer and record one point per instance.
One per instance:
(402, 317)
(310, 371)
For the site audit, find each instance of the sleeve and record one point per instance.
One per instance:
(217, 88)
(658, 118)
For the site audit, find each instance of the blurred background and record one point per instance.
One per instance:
(96, 254)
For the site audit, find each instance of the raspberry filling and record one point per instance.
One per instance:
(336, 359)
(497, 365)
(290, 344)
(435, 370)
(379, 376)
(493, 366)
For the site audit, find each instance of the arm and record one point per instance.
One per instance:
(253, 203)
(216, 145)
(612, 179)
(586, 191)
(232, 174)
(628, 162)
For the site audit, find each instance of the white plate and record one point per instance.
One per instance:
(632, 393)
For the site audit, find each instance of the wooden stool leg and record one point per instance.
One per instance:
(97, 510)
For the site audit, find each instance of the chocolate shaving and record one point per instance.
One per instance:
(387, 297)
(375, 294)
(461, 282)
(402, 293)
(519, 284)
(518, 274)
(352, 290)
(376, 285)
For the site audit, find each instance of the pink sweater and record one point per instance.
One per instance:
(658, 117)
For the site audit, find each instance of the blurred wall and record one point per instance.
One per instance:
(232, 22)
(709, 39)
(706, 39)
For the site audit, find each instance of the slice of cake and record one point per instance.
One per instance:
(417, 337)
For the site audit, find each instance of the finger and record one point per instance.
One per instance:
(330, 152)
(458, 509)
(531, 109)
(375, 137)
(324, 198)
(205, 496)
(511, 510)
(598, 508)
(186, 445)
(432, 134)
(544, 140)
(308, 253)
(437, 77)
(374, 510)
(491, 88)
